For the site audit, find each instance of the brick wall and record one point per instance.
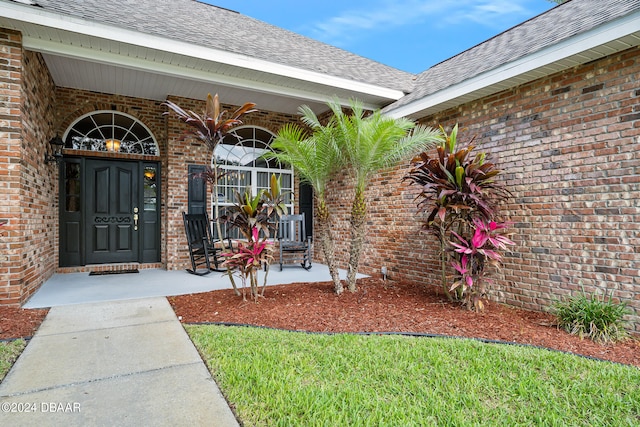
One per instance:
(570, 148)
(176, 151)
(10, 142)
(183, 151)
(74, 103)
(28, 237)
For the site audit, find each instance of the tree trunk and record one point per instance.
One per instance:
(358, 222)
(253, 277)
(326, 241)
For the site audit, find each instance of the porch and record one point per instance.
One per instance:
(80, 288)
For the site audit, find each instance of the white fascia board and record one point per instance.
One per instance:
(29, 14)
(565, 49)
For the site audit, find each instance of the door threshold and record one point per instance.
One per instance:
(106, 272)
(113, 268)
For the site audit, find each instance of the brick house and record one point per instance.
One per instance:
(554, 100)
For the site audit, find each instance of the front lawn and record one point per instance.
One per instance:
(9, 352)
(275, 378)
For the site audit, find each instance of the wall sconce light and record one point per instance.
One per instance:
(56, 147)
(112, 145)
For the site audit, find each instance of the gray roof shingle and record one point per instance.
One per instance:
(555, 25)
(206, 25)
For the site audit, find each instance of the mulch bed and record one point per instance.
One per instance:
(18, 322)
(391, 307)
(377, 307)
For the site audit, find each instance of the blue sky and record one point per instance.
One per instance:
(411, 35)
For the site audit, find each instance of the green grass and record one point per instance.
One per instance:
(277, 378)
(9, 352)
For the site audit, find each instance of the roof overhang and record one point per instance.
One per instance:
(94, 56)
(601, 41)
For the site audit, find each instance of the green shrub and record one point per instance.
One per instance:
(598, 318)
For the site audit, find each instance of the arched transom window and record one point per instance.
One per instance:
(111, 131)
(239, 155)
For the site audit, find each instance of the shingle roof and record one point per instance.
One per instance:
(555, 25)
(202, 24)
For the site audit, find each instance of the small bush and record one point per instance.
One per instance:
(600, 319)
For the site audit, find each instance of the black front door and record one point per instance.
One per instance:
(112, 216)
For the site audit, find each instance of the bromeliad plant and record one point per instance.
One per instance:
(475, 254)
(457, 188)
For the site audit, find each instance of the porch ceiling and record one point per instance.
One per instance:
(151, 84)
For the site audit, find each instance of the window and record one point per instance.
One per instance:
(72, 187)
(111, 131)
(239, 155)
(150, 188)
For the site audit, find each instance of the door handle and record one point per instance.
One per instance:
(135, 219)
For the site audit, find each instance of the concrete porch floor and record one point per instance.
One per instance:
(80, 288)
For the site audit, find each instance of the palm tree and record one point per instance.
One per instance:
(315, 158)
(371, 143)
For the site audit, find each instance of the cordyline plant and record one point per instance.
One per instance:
(260, 211)
(247, 259)
(211, 128)
(254, 216)
(475, 254)
(457, 187)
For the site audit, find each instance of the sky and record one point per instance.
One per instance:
(411, 35)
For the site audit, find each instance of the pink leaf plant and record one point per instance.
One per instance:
(483, 247)
(248, 258)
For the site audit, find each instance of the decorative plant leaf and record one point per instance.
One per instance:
(456, 189)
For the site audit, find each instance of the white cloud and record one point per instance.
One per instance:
(387, 15)
(490, 13)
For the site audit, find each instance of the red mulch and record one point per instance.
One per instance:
(18, 322)
(391, 307)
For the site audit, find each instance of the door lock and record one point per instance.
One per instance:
(135, 219)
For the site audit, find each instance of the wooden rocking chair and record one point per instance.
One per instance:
(293, 241)
(204, 251)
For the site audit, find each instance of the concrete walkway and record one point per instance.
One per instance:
(122, 363)
(80, 288)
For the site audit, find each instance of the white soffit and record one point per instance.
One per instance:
(595, 44)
